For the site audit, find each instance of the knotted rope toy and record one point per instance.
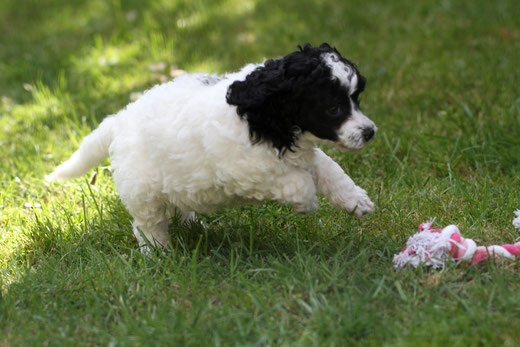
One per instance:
(434, 247)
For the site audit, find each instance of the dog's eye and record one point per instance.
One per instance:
(335, 111)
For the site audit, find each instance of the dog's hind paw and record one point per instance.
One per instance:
(307, 207)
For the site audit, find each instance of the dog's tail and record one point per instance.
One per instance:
(93, 149)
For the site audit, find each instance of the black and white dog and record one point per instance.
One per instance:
(202, 142)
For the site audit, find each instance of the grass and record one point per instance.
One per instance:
(443, 89)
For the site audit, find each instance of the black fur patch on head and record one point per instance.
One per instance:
(293, 94)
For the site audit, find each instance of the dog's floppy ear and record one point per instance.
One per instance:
(270, 97)
(259, 87)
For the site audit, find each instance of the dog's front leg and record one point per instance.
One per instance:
(333, 182)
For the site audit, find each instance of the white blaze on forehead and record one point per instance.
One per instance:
(344, 73)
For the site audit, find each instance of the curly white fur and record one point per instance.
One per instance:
(181, 148)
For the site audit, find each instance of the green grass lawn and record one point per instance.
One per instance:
(443, 88)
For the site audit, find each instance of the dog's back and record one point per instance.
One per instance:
(183, 143)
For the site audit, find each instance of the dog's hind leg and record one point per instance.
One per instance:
(333, 182)
(151, 221)
(151, 234)
(155, 229)
(188, 216)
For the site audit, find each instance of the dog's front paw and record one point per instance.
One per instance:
(359, 203)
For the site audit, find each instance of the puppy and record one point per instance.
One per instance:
(203, 142)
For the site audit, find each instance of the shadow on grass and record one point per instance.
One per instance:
(42, 39)
(271, 230)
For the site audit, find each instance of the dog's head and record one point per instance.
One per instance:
(314, 90)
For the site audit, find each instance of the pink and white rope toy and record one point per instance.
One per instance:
(434, 247)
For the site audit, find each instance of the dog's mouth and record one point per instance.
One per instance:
(344, 148)
(359, 145)
(353, 142)
(356, 141)
(355, 133)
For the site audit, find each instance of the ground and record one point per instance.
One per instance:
(443, 88)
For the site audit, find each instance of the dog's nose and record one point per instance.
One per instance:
(368, 133)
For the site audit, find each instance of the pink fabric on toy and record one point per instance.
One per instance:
(434, 247)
